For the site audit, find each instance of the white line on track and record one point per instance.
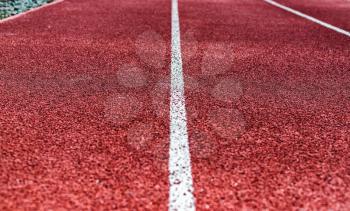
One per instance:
(180, 176)
(30, 11)
(309, 18)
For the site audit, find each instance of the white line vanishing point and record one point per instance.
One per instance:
(341, 31)
(30, 11)
(180, 176)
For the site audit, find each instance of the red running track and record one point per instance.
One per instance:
(84, 115)
(335, 12)
(77, 132)
(273, 109)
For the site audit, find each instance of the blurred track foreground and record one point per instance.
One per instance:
(166, 105)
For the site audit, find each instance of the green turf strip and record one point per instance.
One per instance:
(14, 7)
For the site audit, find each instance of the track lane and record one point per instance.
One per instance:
(315, 20)
(333, 12)
(268, 100)
(77, 132)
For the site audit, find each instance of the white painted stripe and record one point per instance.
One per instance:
(29, 11)
(339, 30)
(180, 175)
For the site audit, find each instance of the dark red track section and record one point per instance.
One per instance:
(84, 110)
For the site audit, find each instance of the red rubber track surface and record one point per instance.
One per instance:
(281, 140)
(335, 12)
(278, 138)
(61, 146)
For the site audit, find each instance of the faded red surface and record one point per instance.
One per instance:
(268, 101)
